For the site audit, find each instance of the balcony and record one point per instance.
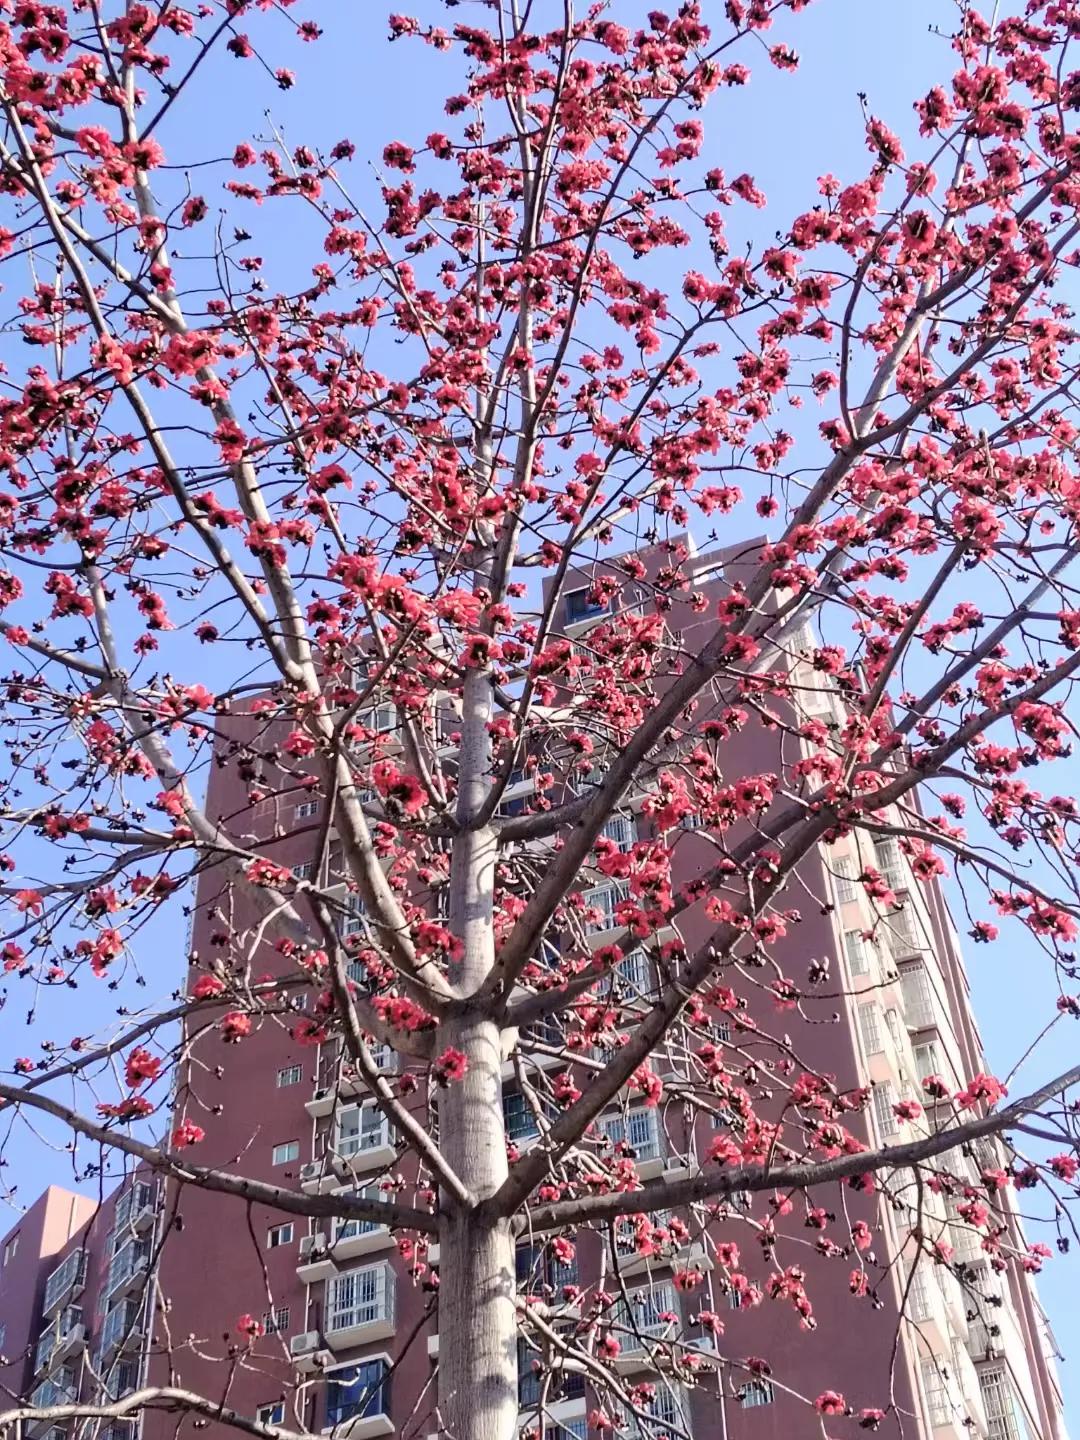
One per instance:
(920, 1012)
(651, 1316)
(121, 1328)
(135, 1210)
(320, 1258)
(128, 1267)
(637, 1134)
(65, 1334)
(358, 1399)
(362, 1140)
(360, 1306)
(69, 1275)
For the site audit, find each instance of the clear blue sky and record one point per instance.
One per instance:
(786, 130)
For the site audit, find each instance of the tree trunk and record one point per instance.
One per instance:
(478, 1397)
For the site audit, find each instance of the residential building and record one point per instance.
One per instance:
(350, 1339)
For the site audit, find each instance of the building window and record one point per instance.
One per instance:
(351, 917)
(3, 1337)
(286, 1152)
(890, 863)
(361, 1128)
(928, 1059)
(903, 932)
(537, 1265)
(1000, 1402)
(279, 1235)
(518, 1117)
(756, 1392)
(634, 972)
(638, 1129)
(346, 1229)
(605, 900)
(272, 1414)
(620, 828)
(569, 1385)
(918, 997)
(357, 1391)
(652, 1314)
(858, 958)
(289, 1075)
(581, 606)
(936, 1392)
(884, 1120)
(844, 880)
(306, 809)
(304, 870)
(276, 1322)
(869, 1029)
(11, 1248)
(359, 1297)
(918, 1296)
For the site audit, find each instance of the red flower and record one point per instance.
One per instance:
(450, 1066)
(188, 1133)
(830, 1402)
(234, 1026)
(141, 1067)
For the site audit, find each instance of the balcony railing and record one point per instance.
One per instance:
(360, 1304)
(62, 1334)
(68, 1276)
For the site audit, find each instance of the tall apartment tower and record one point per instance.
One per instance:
(351, 1336)
(76, 1303)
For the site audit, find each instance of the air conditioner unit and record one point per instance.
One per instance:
(305, 1344)
(310, 1170)
(312, 1245)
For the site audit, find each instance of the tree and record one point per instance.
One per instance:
(556, 335)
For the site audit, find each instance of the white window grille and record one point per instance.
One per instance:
(348, 1229)
(857, 953)
(638, 1128)
(289, 1075)
(844, 879)
(870, 1029)
(755, 1393)
(903, 932)
(361, 1128)
(935, 1392)
(652, 1314)
(276, 1322)
(634, 972)
(885, 1121)
(891, 864)
(70, 1272)
(918, 1299)
(621, 829)
(928, 1059)
(304, 870)
(306, 809)
(131, 1258)
(1000, 1402)
(351, 917)
(918, 997)
(605, 899)
(381, 718)
(359, 1297)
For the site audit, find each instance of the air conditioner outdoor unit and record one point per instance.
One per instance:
(312, 1245)
(305, 1344)
(310, 1170)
